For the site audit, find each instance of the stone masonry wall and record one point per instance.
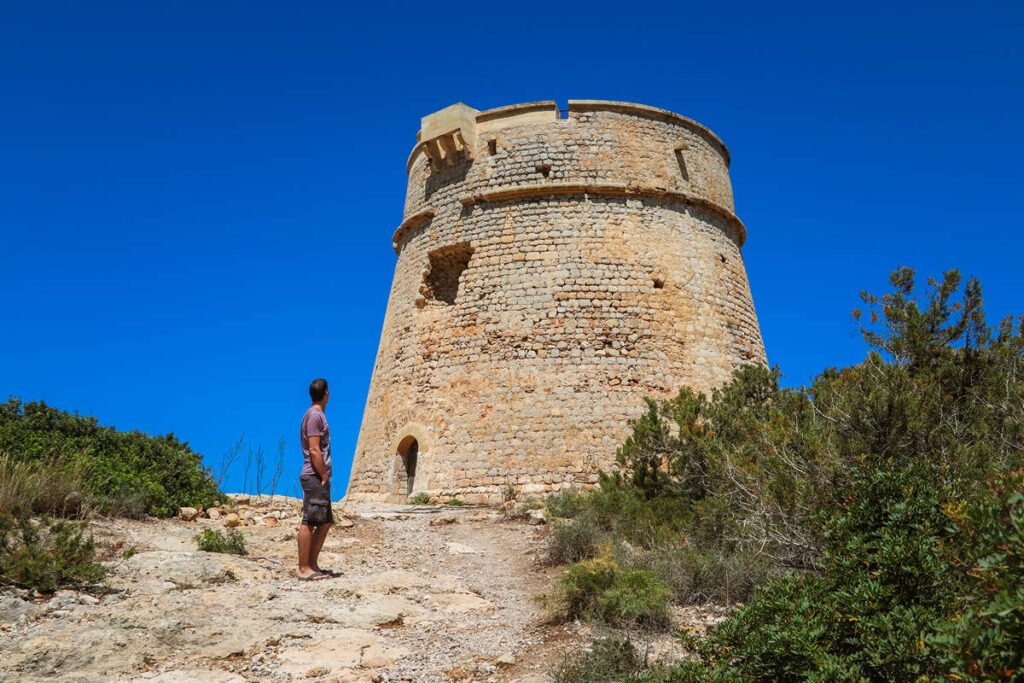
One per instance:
(550, 277)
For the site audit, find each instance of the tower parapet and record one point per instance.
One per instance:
(553, 269)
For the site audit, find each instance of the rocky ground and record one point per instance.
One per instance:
(427, 593)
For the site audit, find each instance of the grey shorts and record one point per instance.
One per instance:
(316, 501)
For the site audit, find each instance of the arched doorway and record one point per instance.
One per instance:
(408, 449)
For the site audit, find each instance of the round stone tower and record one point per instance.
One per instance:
(554, 268)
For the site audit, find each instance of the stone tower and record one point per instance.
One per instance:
(554, 267)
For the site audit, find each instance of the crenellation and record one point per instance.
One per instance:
(547, 280)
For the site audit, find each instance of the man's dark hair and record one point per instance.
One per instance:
(317, 389)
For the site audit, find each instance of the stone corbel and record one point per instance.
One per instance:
(445, 149)
(449, 135)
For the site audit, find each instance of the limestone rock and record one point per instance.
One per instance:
(15, 610)
(343, 648)
(192, 676)
(232, 520)
(443, 521)
(460, 602)
(507, 659)
(462, 549)
(188, 514)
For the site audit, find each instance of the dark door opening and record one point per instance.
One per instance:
(409, 450)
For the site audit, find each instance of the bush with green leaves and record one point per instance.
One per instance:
(46, 555)
(602, 589)
(565, 504)
(987, 641)
(611, 658)
(912, 435)
(214, 541)
(420, 498)
(456, 502)
(871, 486)
(124, 473)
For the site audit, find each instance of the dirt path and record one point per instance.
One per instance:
(427, 594)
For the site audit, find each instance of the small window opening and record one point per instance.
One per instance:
(492, 146)
(447, 264)
(658, 282)
(682, 147)
(544, 170)
(721, 257)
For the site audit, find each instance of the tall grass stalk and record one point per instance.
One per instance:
(52, 486)
(278, 466)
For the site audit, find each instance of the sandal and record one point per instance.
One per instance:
(317, 576)
(331, 572)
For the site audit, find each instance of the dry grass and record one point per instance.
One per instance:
(51, 486)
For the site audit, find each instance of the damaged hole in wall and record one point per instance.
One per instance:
(447, 264)
(721, 257)
(659, 283)
(544, 169)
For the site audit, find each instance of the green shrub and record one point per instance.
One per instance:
(608, 659)
(509, 493)
(127, 473)
(420, 499)
(871, 487)
(565, 504)
(46, 555)
(920, 571)
(572, 540)
(696, 576)
(599, 589)
(213, 541)
(456, 502)
(532, 503)
(987, 641)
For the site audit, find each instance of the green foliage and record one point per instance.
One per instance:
(420, 499)
(565, 504)
(509, 493)
(919, 570)
(987, 641)
(600, 589)
(743, 470)
(698, 576)
(608, 659)
(213, 541)
(887, 490)
(46, 555)
(573, 540)
(456, 502)
(126, 473)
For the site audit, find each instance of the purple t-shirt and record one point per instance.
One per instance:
(314, 423)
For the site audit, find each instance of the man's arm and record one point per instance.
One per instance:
(316, 458)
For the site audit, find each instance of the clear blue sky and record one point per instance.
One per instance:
(197, 199)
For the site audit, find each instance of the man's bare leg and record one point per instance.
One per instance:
(305, 538)
(317, 542)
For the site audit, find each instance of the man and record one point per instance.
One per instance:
(315, 479)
